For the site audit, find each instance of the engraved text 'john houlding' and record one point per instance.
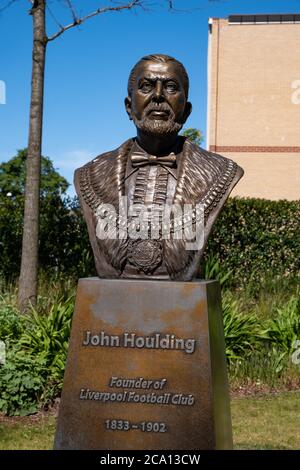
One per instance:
(132, 340)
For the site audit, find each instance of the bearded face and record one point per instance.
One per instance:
(157, 103)
(150, 123)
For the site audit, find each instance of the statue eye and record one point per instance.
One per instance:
(171, 87)
(146, 87)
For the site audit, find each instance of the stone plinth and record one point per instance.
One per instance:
(146, 368)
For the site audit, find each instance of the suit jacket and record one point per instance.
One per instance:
(202, 177)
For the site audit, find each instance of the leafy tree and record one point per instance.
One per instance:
(195, 135)
(12, 177)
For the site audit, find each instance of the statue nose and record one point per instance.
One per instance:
(158, 91)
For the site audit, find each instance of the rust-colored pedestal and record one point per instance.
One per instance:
(146, 368)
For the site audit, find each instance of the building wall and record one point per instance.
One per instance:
(254, 104)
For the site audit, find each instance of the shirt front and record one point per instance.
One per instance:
(148, 186)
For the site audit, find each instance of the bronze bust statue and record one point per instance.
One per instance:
(134, 198)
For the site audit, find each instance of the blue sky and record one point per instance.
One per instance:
(87, 70)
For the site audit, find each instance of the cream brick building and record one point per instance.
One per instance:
(254, 101)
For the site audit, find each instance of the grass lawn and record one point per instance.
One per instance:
(27, 434)
(268, 422)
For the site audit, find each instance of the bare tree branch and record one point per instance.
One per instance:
(7, 5)
(54, 17)
(77, 21)
(71, 7)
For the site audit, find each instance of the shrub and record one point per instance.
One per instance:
(11, 324)
(270, 358)
(214, 270)
(63, 245)
(22, 381)
(256, 238)
(284, 329)
(48, 336)
(263, 366)
(242, 331)
(36, 351)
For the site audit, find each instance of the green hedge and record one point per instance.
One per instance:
(254, 238)
(64, 246)
(257, 238)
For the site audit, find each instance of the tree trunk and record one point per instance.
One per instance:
(29, 261)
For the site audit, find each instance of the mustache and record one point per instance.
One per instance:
(158, 107)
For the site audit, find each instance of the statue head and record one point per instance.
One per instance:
(157, 100)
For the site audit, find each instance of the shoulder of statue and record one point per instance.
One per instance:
(214, 162)
(220, 161)
(98, 180)
(105, 158)
(206, 177)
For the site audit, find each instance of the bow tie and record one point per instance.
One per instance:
(142, 159)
